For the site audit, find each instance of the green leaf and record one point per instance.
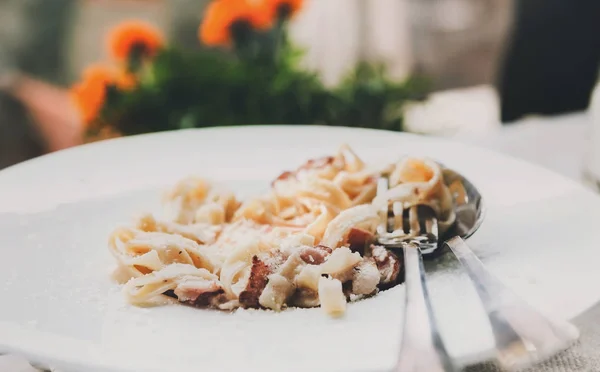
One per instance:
(200, 88)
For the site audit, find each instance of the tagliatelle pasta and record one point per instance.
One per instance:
(307, 242)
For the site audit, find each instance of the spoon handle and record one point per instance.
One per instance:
(422, 349)
(523, 335)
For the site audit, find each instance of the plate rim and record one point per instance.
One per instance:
(463, 360)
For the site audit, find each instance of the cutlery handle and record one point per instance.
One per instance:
(422, 349)
(522, 334)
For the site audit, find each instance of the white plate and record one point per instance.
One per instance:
(60, 308)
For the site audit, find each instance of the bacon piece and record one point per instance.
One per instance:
(324, 248)
(315, 255)
(305, 297)
(283, 176)
(389, 266)
(347, 288)
(362, 280)
(317, 163)
(208, 298)
(359, 239)
(256, 283)
(366, 277)
(204, 299)
(310, 164)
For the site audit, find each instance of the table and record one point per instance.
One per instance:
(557, 143)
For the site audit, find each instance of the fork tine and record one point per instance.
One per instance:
(429, 220)
(382, 187)
(429, 225)
(398, 211)
(428, 236)
(413, 220)
(434, 229)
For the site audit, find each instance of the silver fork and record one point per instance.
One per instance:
(422, 349)
(523, 335)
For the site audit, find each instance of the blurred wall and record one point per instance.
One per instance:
(460, 43)
(32, 39)
(338, 33)
(455, 42)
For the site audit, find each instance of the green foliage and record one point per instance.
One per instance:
(259, 83)
(367, 98)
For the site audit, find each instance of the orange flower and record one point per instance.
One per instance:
(221, 14)
(125, 80)
(134, 36)
(89, 94)
(287, 8)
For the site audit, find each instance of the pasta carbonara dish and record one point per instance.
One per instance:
(307, 242)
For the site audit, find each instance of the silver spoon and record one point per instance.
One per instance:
(523, 335)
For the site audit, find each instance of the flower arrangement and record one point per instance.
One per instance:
(249, 73)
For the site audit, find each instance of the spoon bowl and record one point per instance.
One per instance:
(468, 205)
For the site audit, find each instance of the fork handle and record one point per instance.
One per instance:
(522, 334)
(422, 349)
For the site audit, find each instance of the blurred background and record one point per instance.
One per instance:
(489, 62)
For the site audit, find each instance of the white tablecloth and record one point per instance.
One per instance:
(557, 143)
